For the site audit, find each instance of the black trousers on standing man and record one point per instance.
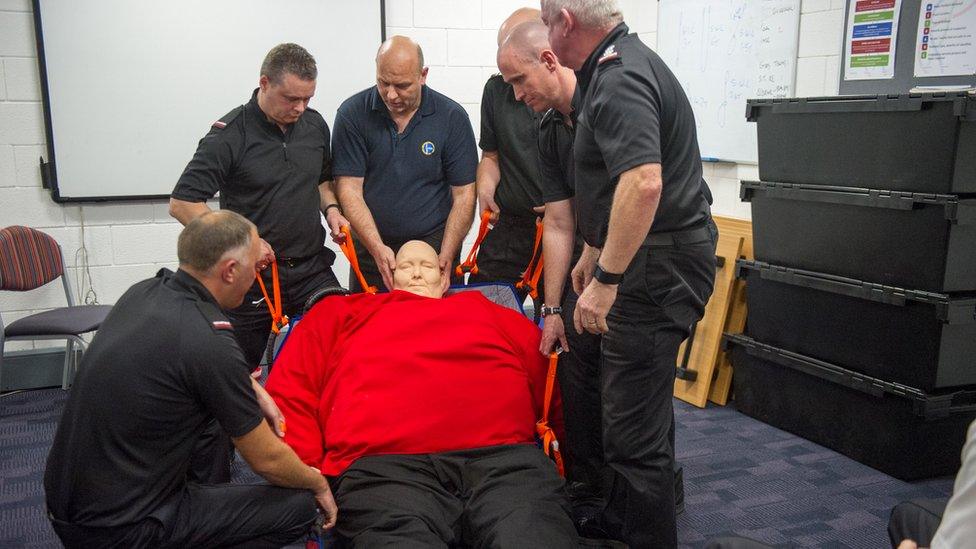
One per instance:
(662, 295)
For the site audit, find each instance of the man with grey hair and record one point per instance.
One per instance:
(162, 368)
(405, 164)
(271, 162)
(648, 264)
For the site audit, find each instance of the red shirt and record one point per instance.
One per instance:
(399, 373)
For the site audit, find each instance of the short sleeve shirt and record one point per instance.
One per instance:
(556, 164)
(269, 177)
(162, 366)
(407, 177)
(635, 112)
(511, 128)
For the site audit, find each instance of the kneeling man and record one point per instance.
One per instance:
(163, 372)
(424, 410)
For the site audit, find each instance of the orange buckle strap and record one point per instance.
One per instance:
(533, 272)
(349, 249)
(278, 320)
(549, 443)
(470, 263)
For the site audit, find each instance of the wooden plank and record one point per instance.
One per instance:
(708, 334)
(736, 321)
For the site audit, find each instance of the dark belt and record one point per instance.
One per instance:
(675, 238)
(292, 262)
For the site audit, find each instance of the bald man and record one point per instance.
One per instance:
(508, 175)
(538, 78)
(405, 162)
(423, 409)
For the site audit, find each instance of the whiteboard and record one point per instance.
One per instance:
(132, 85)
(723, 53)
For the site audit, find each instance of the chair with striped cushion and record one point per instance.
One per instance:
(30, 259)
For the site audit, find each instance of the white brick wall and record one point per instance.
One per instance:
(128, 242)
(125, 242)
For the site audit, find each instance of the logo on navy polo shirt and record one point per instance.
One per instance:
(427, 147)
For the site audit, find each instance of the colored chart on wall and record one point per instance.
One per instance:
(725, 52)
(871, 40)
(946, 41)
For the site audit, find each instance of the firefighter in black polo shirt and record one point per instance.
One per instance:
(271, 161)
(508, 176)
(162, 368)
(648, 266)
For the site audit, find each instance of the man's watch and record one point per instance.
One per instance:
(604, 277)
(546, 310)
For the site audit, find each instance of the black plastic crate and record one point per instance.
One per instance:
(921, 339)
(896, 429)
(909, 240)
(907, 142)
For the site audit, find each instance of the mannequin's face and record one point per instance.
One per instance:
(417, 270)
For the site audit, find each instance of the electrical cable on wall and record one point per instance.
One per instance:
(89, 297)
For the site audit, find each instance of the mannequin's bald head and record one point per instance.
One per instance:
(418, 270)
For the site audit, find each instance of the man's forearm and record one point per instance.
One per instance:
(185, 212)
(634, 205)
(327, 194)
(275, 461)
(350, 195)
(559, 227)
(459, 220)
(488, 176)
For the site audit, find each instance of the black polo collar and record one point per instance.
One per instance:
(187, 283)
(585, 74)
(255, 112)
(574, 109)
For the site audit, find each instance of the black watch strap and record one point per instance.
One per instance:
(546, 310)
(333, 205)
(606, 278)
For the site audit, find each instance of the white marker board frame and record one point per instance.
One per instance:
(130, 86)
(723, 53)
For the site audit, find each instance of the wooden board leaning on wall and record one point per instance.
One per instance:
(726, 312)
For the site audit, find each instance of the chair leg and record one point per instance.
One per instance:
(69, 348)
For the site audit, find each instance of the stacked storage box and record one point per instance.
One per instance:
(861, 333)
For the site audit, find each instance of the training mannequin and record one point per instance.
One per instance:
(422, 408)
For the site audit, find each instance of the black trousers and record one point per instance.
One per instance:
(299, 279)
(372, 273)
(662, 295)
(499, 496)
(579, 382)
(506, 252)
(916, 520)
(253, 516)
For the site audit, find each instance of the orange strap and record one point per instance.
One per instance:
(533, 272)
(470, 264)
(549, 443)
(278, 320)
(349, 249)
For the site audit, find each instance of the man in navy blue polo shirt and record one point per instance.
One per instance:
(405, 161)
